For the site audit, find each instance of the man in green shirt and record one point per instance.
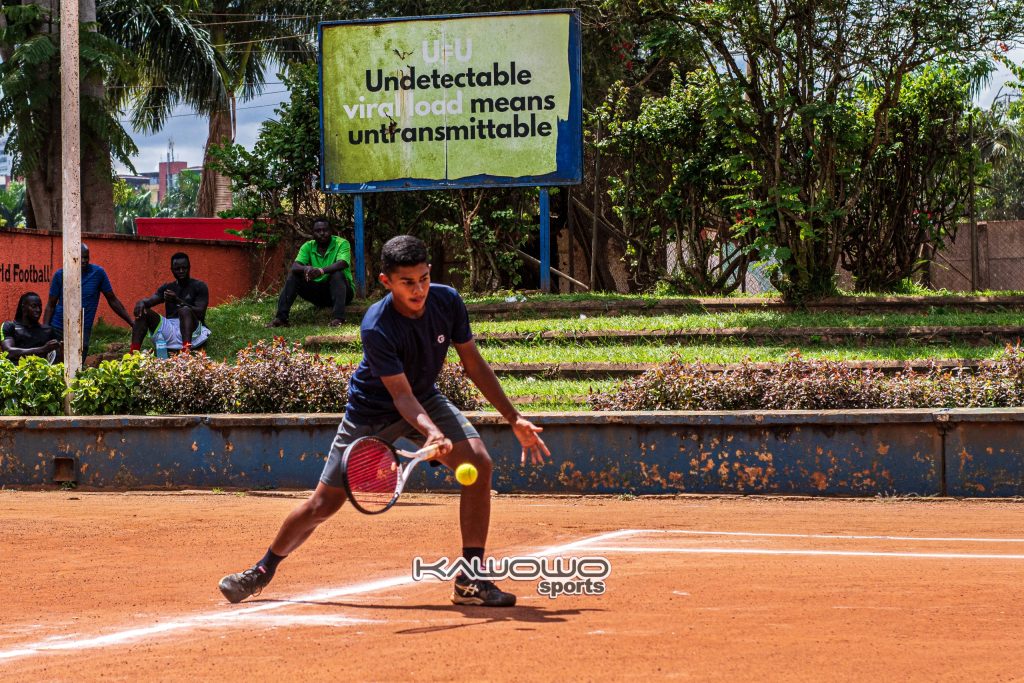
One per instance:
(320, 274)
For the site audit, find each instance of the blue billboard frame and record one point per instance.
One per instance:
(568, 156)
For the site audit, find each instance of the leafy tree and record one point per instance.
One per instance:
(1002, 198)
(277, 184)
(130, 204)
(790, 69)
(917, 182)
(670, 188)
(183, 200)
(1000, 135)
(12, 206)
(476, 234)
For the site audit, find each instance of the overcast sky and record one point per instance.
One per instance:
(189, 131)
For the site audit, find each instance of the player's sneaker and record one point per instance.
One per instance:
(238, 587)
(469, 592)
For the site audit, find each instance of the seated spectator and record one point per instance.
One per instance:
(185, 301)
(320, 274)
(94, 282)
(24, 336)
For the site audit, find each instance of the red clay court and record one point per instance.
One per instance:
(122, 587)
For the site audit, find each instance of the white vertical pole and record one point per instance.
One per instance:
(71, 210)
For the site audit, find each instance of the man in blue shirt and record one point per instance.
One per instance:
(393, 394)
(94, 282)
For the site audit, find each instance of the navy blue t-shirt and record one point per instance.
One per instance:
(394, 344)
(94, 282)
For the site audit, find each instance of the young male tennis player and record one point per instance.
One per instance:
(393, 394)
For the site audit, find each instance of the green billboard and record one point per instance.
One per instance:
(458, 101)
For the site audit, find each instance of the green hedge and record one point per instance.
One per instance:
(267, 377)
(799, 384)
(32, 387)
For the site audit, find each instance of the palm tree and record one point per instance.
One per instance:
(30, 111)
(209, 54)
(174, 60)
(999, 140)
(250, 37)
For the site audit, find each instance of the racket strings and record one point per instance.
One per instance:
(372, 474)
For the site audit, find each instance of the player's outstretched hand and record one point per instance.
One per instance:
(532, 444)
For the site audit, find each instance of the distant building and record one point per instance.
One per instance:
(167, 175)
(5, 170)
(144, 182)
(152, 184)
(158, 183)
(141, 182)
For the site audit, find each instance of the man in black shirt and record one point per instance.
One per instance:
(24, 336)
(185, 301)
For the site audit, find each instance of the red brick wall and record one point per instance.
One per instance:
(136, 266)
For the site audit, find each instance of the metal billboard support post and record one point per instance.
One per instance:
(545, 240)
(360, 256)
(71, 195)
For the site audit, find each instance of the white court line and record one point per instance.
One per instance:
(772, 551)
(938, 539)
(221, 616)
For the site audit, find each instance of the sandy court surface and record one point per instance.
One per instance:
(122, 587)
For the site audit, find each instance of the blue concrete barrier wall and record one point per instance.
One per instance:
(984, 452)
(859, 453)
(735, 452)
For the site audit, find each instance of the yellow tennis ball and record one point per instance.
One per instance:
(466, 474)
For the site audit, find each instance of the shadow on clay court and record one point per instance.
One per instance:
(485, 615)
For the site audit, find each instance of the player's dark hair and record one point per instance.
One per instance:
(19, 312)
(321, 219)
(404, 250)
(179, 255)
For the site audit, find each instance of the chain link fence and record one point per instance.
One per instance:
(991, 257)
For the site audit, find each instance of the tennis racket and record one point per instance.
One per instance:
(373, 475)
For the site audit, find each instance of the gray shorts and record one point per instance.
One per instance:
(446, 416)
